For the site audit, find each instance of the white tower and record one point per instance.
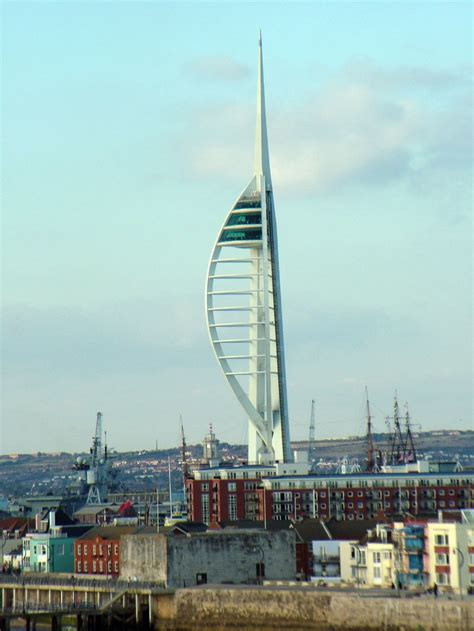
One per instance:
(243, 303)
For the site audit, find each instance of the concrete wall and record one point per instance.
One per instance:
(265, 609)
(143, 557)
(221, 556)
(231, 557)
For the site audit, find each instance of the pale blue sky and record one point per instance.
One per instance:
(127, 134)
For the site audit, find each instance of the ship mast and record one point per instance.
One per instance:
(184, 463)
(397, 451)
(409, 449)
(370, 441)
(311, 440)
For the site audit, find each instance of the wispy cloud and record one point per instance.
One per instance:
(350, 131)
(217, 68)
(408, 77)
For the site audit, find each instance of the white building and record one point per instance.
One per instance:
(450, 552)
(369, 563)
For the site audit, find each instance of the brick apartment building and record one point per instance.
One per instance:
(98, 551)
(255, 492)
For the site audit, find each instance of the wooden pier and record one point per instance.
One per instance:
(95, 604)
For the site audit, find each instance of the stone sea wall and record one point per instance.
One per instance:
(269, 609)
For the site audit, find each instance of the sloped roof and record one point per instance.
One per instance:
(11, 524)
(109, 533)
(346, 530)
(250, 524)
(95, 509)
(310, 530)
(61, 518)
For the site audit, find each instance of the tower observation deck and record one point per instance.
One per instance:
(243, 305)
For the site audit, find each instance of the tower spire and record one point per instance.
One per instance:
(262, 160)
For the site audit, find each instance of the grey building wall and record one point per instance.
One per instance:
(222, 557)
(143, 557)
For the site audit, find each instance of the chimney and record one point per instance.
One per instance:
(52, 519)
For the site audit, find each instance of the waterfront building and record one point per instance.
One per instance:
(183, 558)
(243, 305)
(411, 553)
(318, 546)
(370, 562)
(450, 551)
(276, 492)
(51, 551)
(98, 550)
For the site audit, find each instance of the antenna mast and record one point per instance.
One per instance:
(311, 440)
(370, 441)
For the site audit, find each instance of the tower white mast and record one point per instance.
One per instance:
(243, 302)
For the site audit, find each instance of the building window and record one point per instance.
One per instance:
(79, 549)
(441, 540)
(205, 487)
(101, 549)
(323, 505)
(350, 505)
(350, 494)
(116, 549)
(377, 572)
(101, 567)
(85, 549)
(232, 507)
(442, 559)
(232, 486)
(79, 567)
(205, 508)
(376, 557)
(116, 567)
(442, 578)
(94, 567)
(60, 549)
(94, 550)
(86, 567)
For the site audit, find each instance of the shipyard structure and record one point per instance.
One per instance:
(245, 323)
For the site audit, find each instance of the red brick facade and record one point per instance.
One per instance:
(362, 497)
(97, 556)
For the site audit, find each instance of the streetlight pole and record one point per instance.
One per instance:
(357, 569)
(460, 565)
